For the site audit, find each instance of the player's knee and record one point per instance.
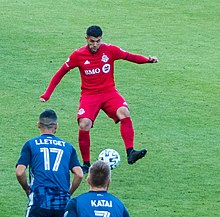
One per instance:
(84, 123)
(123, 112)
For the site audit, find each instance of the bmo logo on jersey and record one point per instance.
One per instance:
(105, 69)
(92, 71)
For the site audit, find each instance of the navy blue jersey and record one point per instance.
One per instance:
(95, 203)
(50, 160)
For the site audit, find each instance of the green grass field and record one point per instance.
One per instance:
(175, 104)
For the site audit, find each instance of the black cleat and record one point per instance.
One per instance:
(85, 168)
(136, 155)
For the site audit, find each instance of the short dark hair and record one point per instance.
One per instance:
(94, 31)
(48, 118)
(99, 174)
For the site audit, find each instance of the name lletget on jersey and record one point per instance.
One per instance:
(102, 203)
(49, 142)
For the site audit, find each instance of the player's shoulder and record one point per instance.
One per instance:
(78, 52)
(112, 47)
(82, 49)
(107, 45)
(114, 198)
(33, 140)
(64, 142)
(83, 195)
(30, 144)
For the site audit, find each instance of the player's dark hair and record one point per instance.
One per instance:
(48, 118)
(94, 31)
(99, 174)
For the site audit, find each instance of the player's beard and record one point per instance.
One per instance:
(93, 49)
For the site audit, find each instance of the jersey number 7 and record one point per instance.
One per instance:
(102, 213)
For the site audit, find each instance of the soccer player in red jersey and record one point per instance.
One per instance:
(96, 65)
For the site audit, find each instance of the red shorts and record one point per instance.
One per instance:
(109, 102)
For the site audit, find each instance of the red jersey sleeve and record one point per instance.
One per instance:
(66, 67)
(117, 52)
(72, 61)
(121, 54)
(54, 82)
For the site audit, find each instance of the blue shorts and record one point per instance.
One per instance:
(47, 202)
(36, 211)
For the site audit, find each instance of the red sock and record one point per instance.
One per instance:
(127, 132)
(84, 145)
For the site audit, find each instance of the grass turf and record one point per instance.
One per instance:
(175, 104)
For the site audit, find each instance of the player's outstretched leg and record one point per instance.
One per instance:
(135, 155)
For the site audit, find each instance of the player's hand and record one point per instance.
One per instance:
(28, 190)
(153, 59)
(42, 99)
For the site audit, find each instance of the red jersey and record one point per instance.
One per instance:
(96, 69)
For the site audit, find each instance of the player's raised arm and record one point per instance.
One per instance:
(136, 58)
(53, 83)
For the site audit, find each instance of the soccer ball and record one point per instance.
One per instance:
(111, 157)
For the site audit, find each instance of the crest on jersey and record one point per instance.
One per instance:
(105, 58)
(81, 111)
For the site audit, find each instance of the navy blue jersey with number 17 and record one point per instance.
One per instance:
(95, 203)
(50, 160)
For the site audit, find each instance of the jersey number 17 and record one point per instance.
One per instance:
(46, 152)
